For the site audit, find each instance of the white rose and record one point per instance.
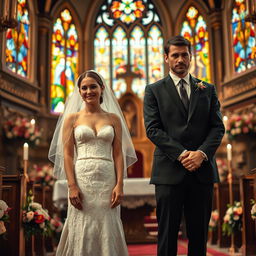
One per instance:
(30, 216)
(36, 206)
(3, 205)
(230, 211)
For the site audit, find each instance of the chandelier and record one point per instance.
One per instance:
(9, 20)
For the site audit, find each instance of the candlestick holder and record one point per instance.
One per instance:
(23, 194)
(232, 248)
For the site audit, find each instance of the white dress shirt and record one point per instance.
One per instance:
(176, 81)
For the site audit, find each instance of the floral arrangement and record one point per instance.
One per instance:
(4, 216)
(200, 85)
(244, 123)
(36, 220)
(22, 128)
(56, 227)
(222, 168)
(232, 219)
(214, 220)
(42, 175)
(253, 210)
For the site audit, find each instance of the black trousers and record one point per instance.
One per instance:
(195, 199)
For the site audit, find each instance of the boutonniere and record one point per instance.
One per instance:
(200, 86)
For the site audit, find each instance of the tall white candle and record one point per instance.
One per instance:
(33, 122)
(225, 121)
(229, 152)
(25, 151)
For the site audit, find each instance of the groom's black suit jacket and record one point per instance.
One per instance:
(173, 130)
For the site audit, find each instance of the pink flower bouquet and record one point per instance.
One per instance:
(232, 219)
(36, 220)
(23, 129)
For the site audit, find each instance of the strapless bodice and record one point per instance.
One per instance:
(91, 145)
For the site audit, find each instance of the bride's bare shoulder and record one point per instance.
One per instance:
(71, 118)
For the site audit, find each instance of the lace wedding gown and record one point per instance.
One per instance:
(97, 229)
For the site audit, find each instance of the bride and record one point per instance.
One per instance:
(93, 145)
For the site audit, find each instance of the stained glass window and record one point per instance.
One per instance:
(138, 60)
(244, 41)
(64, 60)
(17, 41)
(155, 53)
(132, 28)
(119, 59)
(127, 10)
(194, 28)
(102, 53)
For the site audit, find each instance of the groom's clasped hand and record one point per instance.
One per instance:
(192, 160)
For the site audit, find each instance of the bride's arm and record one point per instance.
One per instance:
(75, 194)
(117, 193)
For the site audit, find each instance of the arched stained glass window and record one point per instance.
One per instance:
(64, 60)
(119, 59)
(194, 28)
(244, 41)
(134, 29)
(138, 59)
(155, 50)
(17, 41)
(102, 52)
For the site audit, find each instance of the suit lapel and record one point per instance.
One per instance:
(172, 91)
(194, 96)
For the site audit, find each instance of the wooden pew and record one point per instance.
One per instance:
(222, 199)
(248, 192)
(11, 195)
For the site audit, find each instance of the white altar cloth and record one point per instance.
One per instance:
(137, 193)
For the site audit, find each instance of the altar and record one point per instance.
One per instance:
(139, 201)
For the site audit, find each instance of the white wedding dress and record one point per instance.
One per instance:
(96, 230)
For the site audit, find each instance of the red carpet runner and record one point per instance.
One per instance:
(150, 250)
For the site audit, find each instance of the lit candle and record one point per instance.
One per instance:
(33, 122)
(225, 121)
(229, 152)
(25, 151)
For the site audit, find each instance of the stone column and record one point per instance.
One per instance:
(43, 61)
(217, 48)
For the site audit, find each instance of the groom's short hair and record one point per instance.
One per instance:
(178, 41)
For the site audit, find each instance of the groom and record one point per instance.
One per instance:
(183, 119)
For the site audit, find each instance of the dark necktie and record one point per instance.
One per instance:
(183, 94)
